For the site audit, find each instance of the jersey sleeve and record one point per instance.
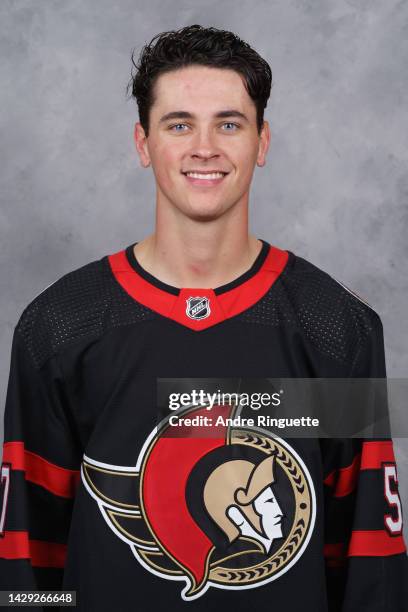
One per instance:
(39, 473)
(365, 552)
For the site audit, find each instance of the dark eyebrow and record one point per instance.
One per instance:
(225, 114)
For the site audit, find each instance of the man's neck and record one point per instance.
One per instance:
(207, 257)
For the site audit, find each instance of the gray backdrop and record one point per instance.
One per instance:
(335, 186)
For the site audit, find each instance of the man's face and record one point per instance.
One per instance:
(212, 129)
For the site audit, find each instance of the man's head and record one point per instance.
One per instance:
(198, 46)
(201, 94)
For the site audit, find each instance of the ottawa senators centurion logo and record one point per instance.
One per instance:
(225, 507)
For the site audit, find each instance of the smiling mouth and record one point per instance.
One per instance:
(206, 178)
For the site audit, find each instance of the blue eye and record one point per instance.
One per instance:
(177, 125)
(230, 123)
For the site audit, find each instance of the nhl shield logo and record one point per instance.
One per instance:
(198, 308)
(236, 512)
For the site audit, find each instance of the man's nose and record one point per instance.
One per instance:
(204, 144)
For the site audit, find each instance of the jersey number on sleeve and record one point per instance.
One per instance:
(393, 524)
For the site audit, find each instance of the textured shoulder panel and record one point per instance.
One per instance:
(85, 302)
(333, 318)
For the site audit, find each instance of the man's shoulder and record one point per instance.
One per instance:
(317, 289)
(71, 282)
(330, 314)
(78, 306)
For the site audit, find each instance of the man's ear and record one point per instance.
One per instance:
(264, 141)
(141, 145)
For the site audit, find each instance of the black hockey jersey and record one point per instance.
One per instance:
(102, 494)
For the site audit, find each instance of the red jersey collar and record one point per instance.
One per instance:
(198, 308)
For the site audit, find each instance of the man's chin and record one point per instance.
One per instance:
(204, 214)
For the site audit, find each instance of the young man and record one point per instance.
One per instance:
(109, 493)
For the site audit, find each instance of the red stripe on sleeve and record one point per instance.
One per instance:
(17, 545)
(59, 481)
(344, 480)
(364, 544)
(375, 544)
(374, 454)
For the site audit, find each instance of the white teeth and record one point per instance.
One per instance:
(214, 175)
